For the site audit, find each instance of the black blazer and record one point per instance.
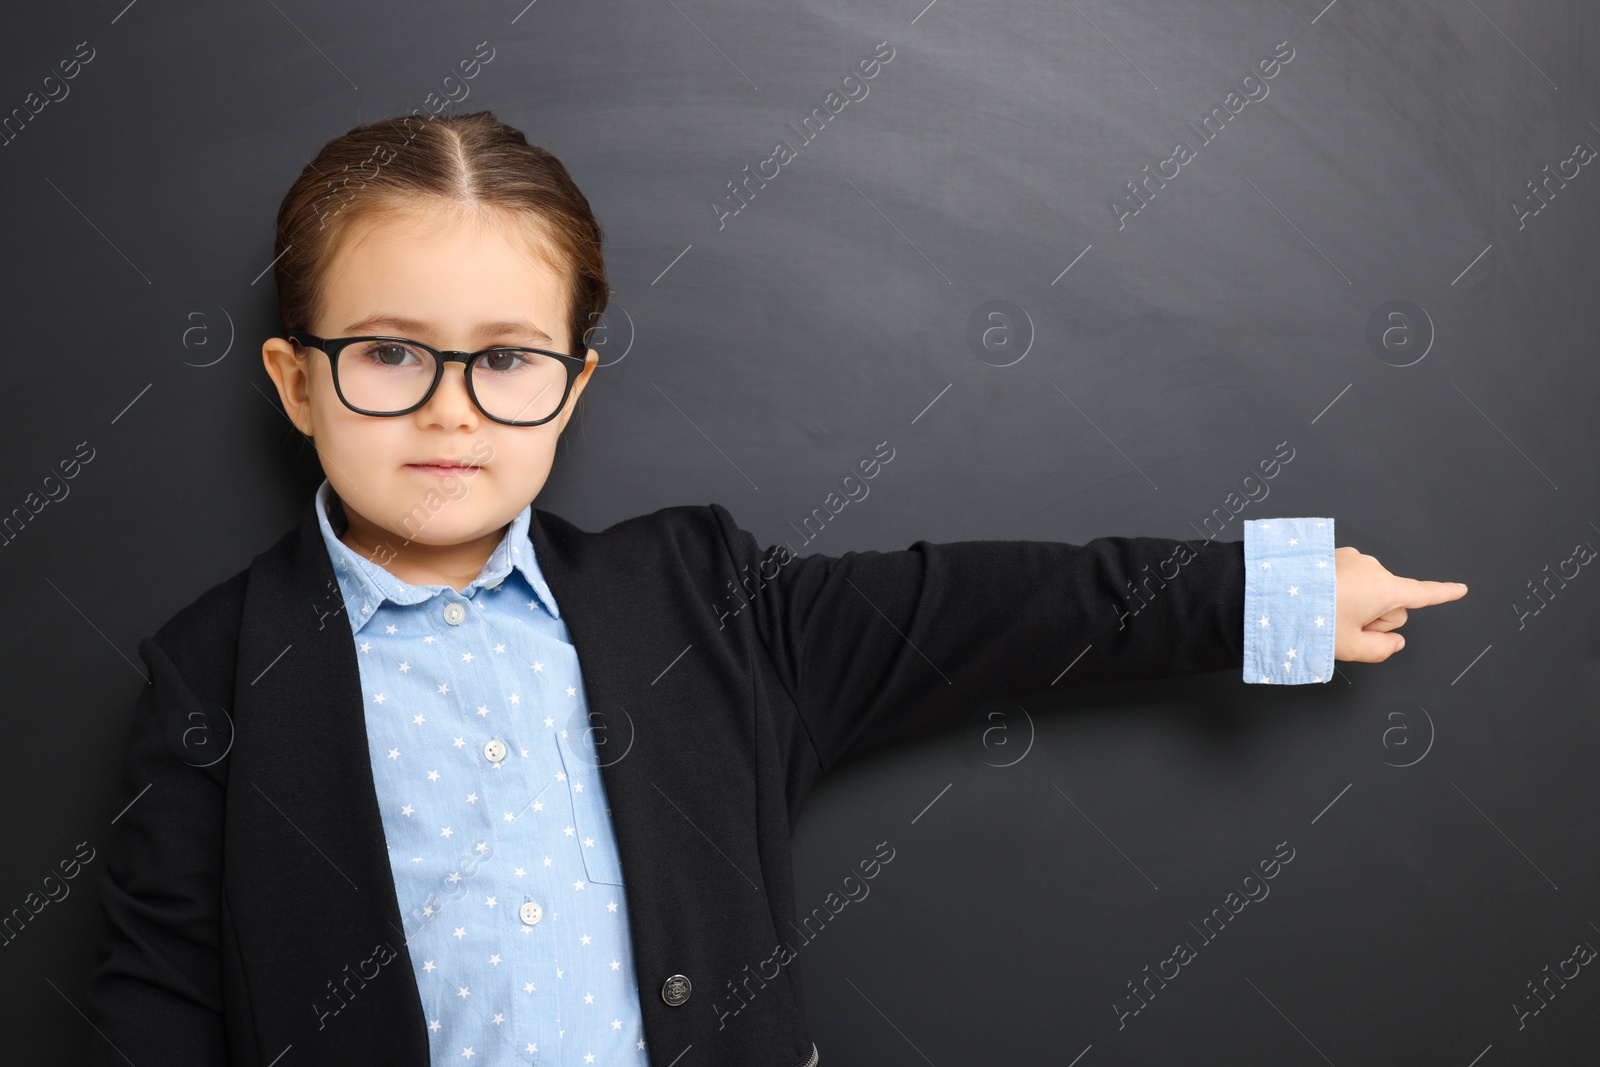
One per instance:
(244, 892)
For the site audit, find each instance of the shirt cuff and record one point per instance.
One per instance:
(1289, 601)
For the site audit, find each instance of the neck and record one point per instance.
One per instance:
(416, 563)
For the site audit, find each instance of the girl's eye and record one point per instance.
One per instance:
(508, 362)
(389, 354)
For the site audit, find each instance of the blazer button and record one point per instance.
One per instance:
(494, 750)
(531, 913)
(454, 613)
(675, 990)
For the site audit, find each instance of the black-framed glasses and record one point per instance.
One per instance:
(395, 376)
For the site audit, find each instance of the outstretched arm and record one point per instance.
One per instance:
(875, 643)
(872, 644)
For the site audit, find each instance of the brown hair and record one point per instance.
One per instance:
(387, 167)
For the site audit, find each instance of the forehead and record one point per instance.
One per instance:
(451, 266)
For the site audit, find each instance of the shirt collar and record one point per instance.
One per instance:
(366, 585)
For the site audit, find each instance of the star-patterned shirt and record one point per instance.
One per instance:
(500, 840)
(1289, 600)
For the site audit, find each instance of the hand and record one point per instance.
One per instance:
(1371, 602)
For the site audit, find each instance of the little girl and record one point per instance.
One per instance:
(442, 778)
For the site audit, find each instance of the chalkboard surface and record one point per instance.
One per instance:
(1083, 268)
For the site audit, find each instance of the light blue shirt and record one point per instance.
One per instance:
(500, 839)
(1289, 600)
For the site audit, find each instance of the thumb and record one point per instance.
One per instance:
(1374, 646)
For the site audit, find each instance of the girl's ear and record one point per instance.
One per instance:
(591, 360)
(288, 366)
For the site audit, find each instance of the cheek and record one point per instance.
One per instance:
(358, 445)
(523, 459)
(523, 453)
(327, 410)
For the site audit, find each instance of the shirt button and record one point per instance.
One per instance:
(494, 750)
(494, 584)
(454, 613)
(531, 913)
(675, 990)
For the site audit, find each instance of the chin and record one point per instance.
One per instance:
(437, 519)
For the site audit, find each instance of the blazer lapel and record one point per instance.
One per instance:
(680, 765)
(307, 873)
(595, 603)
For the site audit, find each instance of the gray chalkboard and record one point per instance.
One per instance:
(1083, 267)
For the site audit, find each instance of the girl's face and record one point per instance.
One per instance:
(462, 280)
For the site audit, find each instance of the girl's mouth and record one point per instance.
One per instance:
(440, 470)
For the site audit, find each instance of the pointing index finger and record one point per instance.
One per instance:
(1421, 594)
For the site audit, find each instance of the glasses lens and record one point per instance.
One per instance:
(516, 384)
(383, 375)
(519, 384)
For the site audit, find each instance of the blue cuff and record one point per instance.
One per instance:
(1289, 601)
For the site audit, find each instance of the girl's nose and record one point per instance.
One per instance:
(451, 399)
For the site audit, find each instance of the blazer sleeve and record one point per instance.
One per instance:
(155, 995)
(871, 644)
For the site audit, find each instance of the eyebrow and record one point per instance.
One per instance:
(412, 327)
